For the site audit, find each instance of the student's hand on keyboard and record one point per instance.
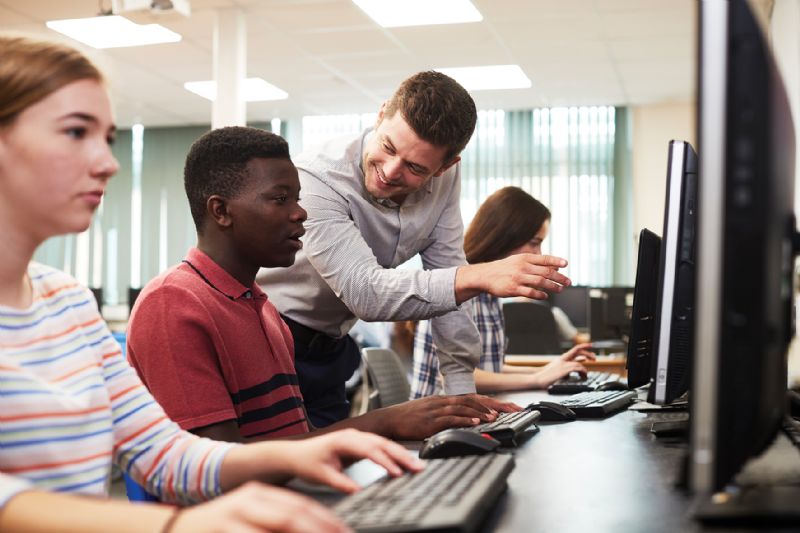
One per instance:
(321, 459)
(569, 361)
(579, 352)
(496, 405)
(419, 419)
(258, 507)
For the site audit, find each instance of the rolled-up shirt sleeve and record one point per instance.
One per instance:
(454, 334)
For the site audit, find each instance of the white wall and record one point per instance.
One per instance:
(785, 28)
(653, 127)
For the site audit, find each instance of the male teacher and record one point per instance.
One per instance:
(375, 200)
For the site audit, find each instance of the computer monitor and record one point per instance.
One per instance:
(674, 317)
(619, 301)
(641, 345)
(574, 301)
(746, 248)
(610, 312)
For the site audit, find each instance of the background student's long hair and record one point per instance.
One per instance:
(508, 218)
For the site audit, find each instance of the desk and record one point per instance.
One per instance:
(593, 476)
(604, 363)
(597, 476)
(609, 475)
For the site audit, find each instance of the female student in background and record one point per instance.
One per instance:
(509, 222)
(70, 405)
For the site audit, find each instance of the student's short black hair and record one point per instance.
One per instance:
(217, 163)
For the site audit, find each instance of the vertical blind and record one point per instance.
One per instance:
(143, 225)
(565, 157)
(562, 156)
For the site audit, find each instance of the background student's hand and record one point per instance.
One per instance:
(419, 419)
(321, 459)
(256, 507)
(569, 361)
(580, 352)
(527, 275)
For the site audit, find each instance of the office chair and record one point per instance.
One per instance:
(135, 492)
(387, 378)
(531, 328)
(133, 294)
(98, 297)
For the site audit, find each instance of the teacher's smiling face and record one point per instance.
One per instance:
(397, 162)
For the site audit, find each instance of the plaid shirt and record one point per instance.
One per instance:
(487, 312)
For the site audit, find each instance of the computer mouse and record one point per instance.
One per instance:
(612, 385)
(553, 411)
(457, 442)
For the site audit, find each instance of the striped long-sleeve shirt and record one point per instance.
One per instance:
(70, 406)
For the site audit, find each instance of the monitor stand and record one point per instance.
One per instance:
(765, 493)
(752, 506)
(670, 428)
(672, 425)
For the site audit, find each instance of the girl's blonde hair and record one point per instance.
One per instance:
(31, 69)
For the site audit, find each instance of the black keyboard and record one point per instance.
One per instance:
(509, 428)
(575, 382)
(452, 494)
(599, 404)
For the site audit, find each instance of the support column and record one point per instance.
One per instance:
(230, 68)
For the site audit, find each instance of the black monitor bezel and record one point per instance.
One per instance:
(746, 233)
(672, 356)
(641, 345)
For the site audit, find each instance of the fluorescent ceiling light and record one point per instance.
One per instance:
(393, 13)
(253, 90)
(113, 31)
(489, 78)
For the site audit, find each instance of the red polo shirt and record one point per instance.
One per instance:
(210, 350)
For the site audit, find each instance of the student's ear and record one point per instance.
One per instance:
(217, 209)
(452, 162)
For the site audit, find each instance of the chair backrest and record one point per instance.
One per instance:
(387, 375)
(136, 492)
(531, 328)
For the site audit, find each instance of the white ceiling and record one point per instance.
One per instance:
(332, 58)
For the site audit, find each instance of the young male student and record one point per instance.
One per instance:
(206, 340)
(374, 201)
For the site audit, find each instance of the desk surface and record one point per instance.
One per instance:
(594, 475)
(599, 475)
(609, 475)
(539, 360)
(604, 363)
